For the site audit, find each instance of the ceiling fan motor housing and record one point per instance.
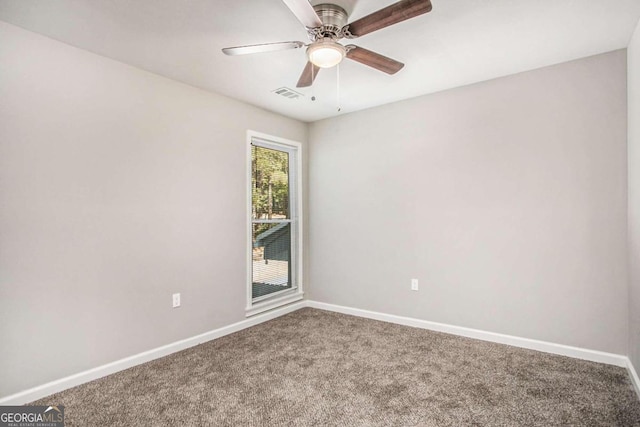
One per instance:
(333, 18)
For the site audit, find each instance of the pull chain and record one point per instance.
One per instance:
(338, 87)
(313, 69)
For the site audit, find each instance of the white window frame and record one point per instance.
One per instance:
(296, 293)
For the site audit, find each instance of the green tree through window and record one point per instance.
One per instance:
(270, 184)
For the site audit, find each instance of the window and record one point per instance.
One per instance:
(274, 225)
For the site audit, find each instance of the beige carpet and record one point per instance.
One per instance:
(316, 368)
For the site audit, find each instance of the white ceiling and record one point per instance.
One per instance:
(459, 42)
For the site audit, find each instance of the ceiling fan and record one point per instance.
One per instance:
(326, 23)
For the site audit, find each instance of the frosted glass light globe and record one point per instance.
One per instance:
(326, 53)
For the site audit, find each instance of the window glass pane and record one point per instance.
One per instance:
(271, 266)
(269, 183)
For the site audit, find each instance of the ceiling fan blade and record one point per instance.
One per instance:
(303, 10)
(374, 60)
(308, 75)
(397, 12)
(258, 48)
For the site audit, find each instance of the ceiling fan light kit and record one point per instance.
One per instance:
(327, 23)
(326, 53)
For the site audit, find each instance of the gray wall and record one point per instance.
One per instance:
(117, 188)
(506, 199)
(633, 76)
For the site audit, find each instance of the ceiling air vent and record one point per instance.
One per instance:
(287, 93)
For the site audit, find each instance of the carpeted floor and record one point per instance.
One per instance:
(316, 368)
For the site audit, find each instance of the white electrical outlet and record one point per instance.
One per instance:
(176, 300)
(414, 284)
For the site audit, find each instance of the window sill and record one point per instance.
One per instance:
(263, 306)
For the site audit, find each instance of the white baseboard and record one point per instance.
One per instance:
(47, 389)
(546, 347)
(634, 377)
